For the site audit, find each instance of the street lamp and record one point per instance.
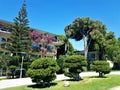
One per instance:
(22, 54)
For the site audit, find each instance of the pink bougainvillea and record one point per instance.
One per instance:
(38, 37)
(44, 39)
(49, 39)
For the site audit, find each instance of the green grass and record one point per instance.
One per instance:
(3, 78)
(89, 83)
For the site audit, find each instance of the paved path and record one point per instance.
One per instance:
(27, 81)
(14, 82)
(115, 88)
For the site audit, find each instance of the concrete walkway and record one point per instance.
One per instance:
(14, 82)
(27, 81)
(115, 88)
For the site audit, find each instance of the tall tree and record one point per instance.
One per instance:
(97, 38)
(67, 44)
(113, 49)
(81, 28)
(20, 40)
(111, 45)
(99, 43)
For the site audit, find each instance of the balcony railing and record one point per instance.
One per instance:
(4, 30)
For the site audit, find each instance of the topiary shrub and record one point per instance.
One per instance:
(74, 66)
(60, 63)
(102, 67)
(42, 71)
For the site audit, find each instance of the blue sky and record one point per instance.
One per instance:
(53, 15)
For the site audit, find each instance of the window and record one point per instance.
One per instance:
(36, 47)
(91, 56)
(0, 39)
(50, 48)
(3, 39)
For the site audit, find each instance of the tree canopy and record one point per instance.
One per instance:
(112, 47)
(81, 28)
(20, 40)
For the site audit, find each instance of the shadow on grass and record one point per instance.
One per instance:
(41, 86)
(72, 80)
(98, 77)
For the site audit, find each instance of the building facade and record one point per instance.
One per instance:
(51, 48)
(92, 55)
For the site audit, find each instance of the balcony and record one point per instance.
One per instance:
(5, 30)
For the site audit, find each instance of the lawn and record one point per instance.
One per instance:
(88, 83)
(3, 78)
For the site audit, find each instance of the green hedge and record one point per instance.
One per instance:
(102, 67)
(43, 70)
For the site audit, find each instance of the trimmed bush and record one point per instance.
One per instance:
(102, 67)
(60, 63)
(42, 70)
(74, 66)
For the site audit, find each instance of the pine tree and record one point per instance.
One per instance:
(18, 43)
(20, 40)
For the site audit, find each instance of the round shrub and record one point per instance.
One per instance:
(43, 70)
(60, 63)
(102, 67)
(74, 65)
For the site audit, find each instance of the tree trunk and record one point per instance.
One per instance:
(85, 47)
(101, 53)
(13, 73)
(77, 78)
(1, 71)
(65, 48)
(43, 84)
(100, 74)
